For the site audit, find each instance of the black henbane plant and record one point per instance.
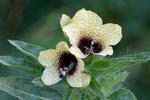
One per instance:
(61, 74)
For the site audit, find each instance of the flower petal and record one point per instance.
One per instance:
(80, 65)
(110, 33)
(85, 80)
(82, 24)
(62, 46)
(50, 75)
(72, 32)
(64, 20)
(107, 51)
(76, 51)
(85, 20)
(48, 57)
(79, 80)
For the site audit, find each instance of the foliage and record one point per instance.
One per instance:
(107, 75)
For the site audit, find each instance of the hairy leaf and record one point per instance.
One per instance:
(20, 64)
(89, 60)
(104, 66)
(28, 49)
(108, 82)
(23, 89)
(59, 86)
(67, 93)
(122, 94)
(95, 88)
(37, 81)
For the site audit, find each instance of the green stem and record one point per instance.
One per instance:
(96, 88)
(67, 93)
(83, 95)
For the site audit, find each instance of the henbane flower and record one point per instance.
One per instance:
(88, 34)
(59, 63)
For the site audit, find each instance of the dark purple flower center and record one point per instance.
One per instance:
(67, 64)
(86, 45)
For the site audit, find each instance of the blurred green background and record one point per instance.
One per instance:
(37, 22)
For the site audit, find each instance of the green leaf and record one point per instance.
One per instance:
(23, 89)
(88, 60)
(75, 94)
(95, 87)
(92, 58)
(122, 94)
(108, 82)
(67, 93)
(20, 64)
(59, 86)
(82, 94)
(102, 67)
(37, 81)
(90, 94)
(28, 49)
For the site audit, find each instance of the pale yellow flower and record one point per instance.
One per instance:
(88, 34)
(59, 63)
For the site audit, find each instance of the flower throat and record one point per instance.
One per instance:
(67, 64)
(86, 45)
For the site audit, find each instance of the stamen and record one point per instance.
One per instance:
(91, 48)
(92, 43)
(71, 66)
(61, 76)
(62, 73)
(87, 49)
(64, 70)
